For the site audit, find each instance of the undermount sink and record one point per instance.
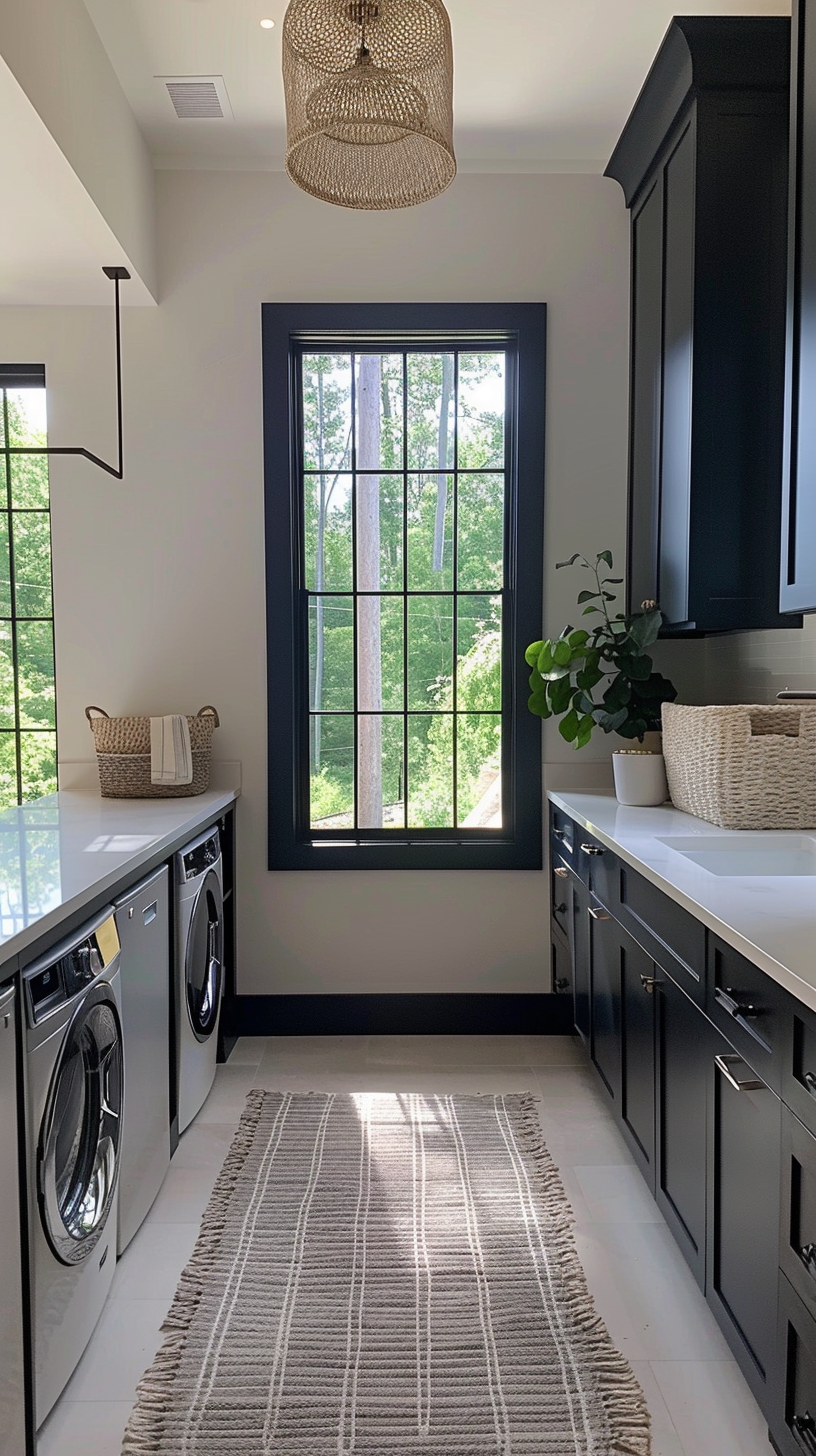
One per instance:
(748, 854)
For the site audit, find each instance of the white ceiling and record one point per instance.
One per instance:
(539, 84)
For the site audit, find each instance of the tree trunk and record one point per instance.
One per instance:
(442, 463)
(369, 656)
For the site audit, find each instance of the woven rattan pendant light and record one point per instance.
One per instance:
(369, 100)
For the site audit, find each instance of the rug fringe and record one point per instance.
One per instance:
(143, 1431)
(618, 1387)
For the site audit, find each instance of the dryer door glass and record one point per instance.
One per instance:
(205, 948)
(80, 1143)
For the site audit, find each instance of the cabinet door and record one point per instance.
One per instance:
(637, 1095)
(579, 947)
(678, 317)
(743, 1215)
(605, 998)
(798, 566)
(646, 386)
(685, 1052)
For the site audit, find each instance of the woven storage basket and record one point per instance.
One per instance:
(743, 767)
(123, 755)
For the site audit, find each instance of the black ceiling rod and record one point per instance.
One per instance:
(116, 274)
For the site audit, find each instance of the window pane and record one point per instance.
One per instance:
(327, 412)
(331, 654)
(29, 482)
(480, 418)
(430, 532)
(430, 651)
(35, 671)
(478, 770)
(430, 771)
(380, 772)
(32, 563)
(8, 770)
(379, 532)
(26, 417)
(478, 667)
(431, 411)
(379, 405)
(380, 661)
(332, 773)
(480, 510)
(6, 677)
(38, 755)
(5, 583)
(327, 532)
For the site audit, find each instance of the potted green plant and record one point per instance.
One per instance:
(567, 670)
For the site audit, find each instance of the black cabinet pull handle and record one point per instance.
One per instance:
(560, 909)
(745, 1084)
(809, 1079)
(561, 872)
(562, 984)
(804, 1430)
(726, 999)
(808, 1256)
(591, 849)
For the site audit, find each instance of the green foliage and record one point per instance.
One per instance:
(566, 671)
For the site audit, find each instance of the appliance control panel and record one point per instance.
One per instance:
(202, 858)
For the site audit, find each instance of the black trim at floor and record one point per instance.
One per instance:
(405, 1014)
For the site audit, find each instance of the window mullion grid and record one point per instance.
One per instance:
(455, 580)
(15, 664)
(404, 589)
(354, 615)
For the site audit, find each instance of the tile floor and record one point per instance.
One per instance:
(699, 1402)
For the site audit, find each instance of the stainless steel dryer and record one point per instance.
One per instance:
(75, 1095)
(199, 969)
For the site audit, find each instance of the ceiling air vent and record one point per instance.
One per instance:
(198, 98)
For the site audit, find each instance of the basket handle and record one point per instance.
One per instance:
(775, 724)
(100, 711)
(209, 712)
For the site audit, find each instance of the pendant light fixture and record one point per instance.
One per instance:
(369, 100)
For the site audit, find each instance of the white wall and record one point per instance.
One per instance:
(159, 582)
(54, 51)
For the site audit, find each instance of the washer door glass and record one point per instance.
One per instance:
(205, 948)
(79, 1154)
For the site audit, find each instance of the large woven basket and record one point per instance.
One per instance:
(123, 755)
(750, 766)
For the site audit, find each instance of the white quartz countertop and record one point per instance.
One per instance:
(59, 853)
(770, 919)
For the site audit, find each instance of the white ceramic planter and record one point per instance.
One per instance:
(640, 777)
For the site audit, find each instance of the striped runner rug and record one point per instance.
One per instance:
(387, 1275)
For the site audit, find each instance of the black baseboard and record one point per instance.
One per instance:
(396, 1015)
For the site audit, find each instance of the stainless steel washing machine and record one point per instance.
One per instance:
(199, 969)
(75, 1098)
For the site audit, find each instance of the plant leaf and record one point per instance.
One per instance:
(587, 596)
(568, 727)
(531, 653)
(560, 694)
(545, 657)
(587, 611)
(605, 556)
(578, 639)
(562, 653)
(571, 561)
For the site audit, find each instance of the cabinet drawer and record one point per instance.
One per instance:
(794, 1426)
(799, 1067)
(563, 831)
(560, 894)
(675, 940)
(748, 1008)
(797, 1242)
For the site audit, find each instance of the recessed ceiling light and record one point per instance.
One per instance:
(267, 24)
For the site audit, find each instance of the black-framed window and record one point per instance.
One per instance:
(404, 471)
(28, 737)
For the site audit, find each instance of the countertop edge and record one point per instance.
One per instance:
(120, 876)
(781, 974)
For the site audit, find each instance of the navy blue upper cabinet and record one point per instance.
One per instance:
(798, 574)
(703, 163)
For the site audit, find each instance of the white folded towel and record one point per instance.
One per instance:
(171, 758)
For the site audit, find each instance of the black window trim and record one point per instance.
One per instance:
(286, 328)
